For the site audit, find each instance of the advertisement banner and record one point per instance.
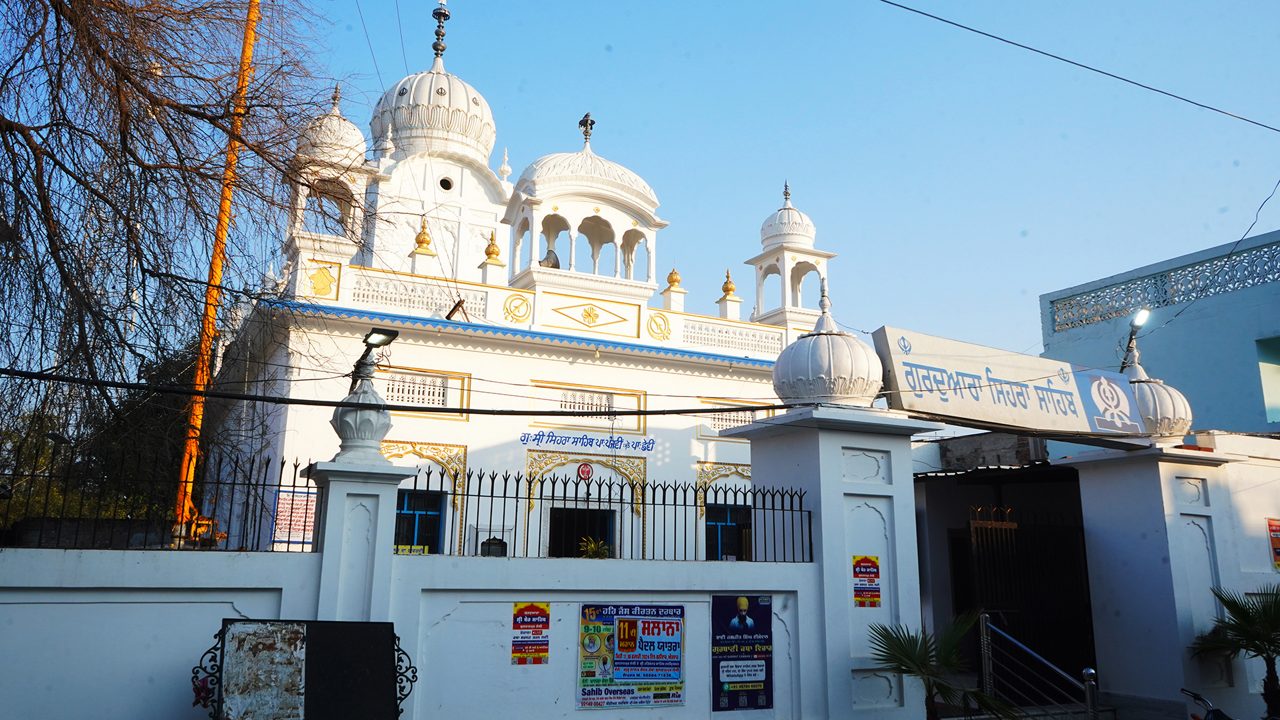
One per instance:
(630, 656)
(741, 652)
(866, 581)
(530, 633)
(1273, 531)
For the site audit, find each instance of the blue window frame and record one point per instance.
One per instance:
(419, 521)
(728, 532)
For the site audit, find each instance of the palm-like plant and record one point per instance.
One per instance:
(1251, 628)
(936, 662)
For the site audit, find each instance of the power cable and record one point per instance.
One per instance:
(1083, 66)
(369, 42)
(433, 410)
(1256, 214)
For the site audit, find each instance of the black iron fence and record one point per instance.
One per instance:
(262, 505)
(69, 502)
(513, 515)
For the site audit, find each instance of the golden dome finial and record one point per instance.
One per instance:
(673, 278)
(492, 251)
(423, 238)
(728, 287)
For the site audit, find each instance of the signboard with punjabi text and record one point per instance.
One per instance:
(961, 381)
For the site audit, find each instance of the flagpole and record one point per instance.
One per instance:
(188, 522)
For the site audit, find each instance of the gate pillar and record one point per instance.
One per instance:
(854, 465)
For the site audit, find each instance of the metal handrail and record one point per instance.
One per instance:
(1078, 685)
(1089, 686)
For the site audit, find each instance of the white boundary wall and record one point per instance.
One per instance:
(114, 634)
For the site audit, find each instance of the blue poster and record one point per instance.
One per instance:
(741, 652)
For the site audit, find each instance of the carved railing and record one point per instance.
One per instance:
(728, 336)
(1216, 276)
(432, 297)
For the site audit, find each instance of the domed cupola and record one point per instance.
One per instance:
(828, 366)
(578, 213)
(788, 225)
(1165, 412)
(332, 139)
(434, 112)
(586, 171)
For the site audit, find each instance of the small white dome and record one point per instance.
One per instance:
(434, 111)
(1165, 412)
(787, 225)
(585, 168)
(828, 366)
(332, 138)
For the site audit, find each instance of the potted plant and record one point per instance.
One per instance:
(1251, 628)
(589, 547)
(935, 662)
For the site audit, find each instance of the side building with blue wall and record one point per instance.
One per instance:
(1214, 331)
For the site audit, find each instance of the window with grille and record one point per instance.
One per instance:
(587, 401)
(419, 522)
(417, 389)
(726, 420)
(728, 532)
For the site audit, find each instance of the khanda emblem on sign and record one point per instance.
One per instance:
(1114, 405)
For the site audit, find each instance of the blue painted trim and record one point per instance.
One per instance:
(497, 331)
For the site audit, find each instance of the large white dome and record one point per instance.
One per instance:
(331, 138)
(433, 111)
(1165, 412)
(828, 366)
(787, 225)
(588, 170)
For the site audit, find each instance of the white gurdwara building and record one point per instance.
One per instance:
(537, 295)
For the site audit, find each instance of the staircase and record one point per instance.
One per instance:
(1033, 686)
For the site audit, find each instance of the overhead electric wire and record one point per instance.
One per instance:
(511, 412)
(1256, 214)
(369, 42)
(1083, 66)
(390, 407)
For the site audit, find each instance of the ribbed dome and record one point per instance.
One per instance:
(333, 139)
(586, 168)
(828, 366)
(433, 111)
(1165, 412)
(787, 225)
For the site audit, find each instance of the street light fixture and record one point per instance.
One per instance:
(1131, 348)
(374, 339)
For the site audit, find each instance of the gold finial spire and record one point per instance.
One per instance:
(422, 241)
(673, 278)
(336, 97)
(492, 251)
(441, 15)
(586, 124)
(728, 287)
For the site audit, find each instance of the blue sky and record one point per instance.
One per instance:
(958, 178)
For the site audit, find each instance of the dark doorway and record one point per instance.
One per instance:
(569, 527)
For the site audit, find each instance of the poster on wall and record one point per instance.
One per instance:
(866, 581)
(1273, 531)
(530, 633)
(741, 652)
(630, 656)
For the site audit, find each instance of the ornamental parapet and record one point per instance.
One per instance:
(1194, 281)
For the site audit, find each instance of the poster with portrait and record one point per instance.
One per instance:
(630, 656)
(741, 652)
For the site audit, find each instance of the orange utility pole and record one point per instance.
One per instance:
(188, 522)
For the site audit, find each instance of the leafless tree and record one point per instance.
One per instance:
(114, 120)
